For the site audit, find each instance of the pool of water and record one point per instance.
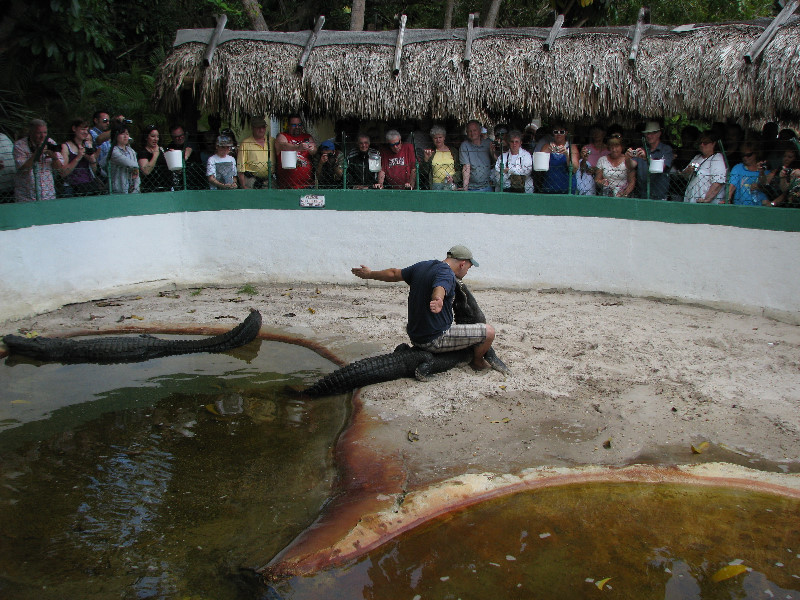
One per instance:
(170, 478)
(633, 541)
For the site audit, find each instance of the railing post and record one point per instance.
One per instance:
(569, 167)
(647, 166)
(344, 161)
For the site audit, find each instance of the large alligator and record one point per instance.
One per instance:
(114, 349)
(407, 361)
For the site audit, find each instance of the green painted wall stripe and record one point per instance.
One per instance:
(97, 208)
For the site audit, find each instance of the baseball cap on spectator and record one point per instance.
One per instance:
(462, 253)
(327, 145)
(257, 122)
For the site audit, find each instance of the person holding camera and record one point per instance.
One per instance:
(36, 156)
(707, 173)
(651, 185)
(564, 163)
(775, 183)
(747, 186)
(80, 169)
(123, 167)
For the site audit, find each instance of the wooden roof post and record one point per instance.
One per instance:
(644, 19)
(772, 29)
(312, 40)
(398, 50)
(214, 41)
(470, 37)
(554, 31)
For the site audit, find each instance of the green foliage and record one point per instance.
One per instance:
(247, 289)
(624, 12)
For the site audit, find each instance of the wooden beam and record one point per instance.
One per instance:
(554, 31)
(765, 38)
(470, 38)
(398, 49)
(641, 22)
(312, 40)
(214, 41)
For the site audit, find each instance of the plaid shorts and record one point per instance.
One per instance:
(457, 337)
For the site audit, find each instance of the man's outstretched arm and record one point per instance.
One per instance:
(365, 272)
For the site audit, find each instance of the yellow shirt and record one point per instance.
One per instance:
(253, 158)
(442, 165)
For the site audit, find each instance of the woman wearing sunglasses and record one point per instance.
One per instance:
(559, 180)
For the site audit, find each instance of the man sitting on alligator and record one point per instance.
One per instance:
(432, 290)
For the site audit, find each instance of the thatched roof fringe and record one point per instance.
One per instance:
(699, 72)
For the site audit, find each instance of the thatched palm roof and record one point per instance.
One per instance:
(698, 70)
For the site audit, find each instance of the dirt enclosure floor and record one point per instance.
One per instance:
(596, 379)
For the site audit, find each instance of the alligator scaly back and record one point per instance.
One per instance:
(114, 349)
(406, 361)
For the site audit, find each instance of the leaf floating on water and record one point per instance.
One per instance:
(103, 303)
(290, 315)
(32, 334)
(607, 444)
(601, 584)
(212, 409)
(137, 317)
(700, 448)
(20, 402)
(412, 436)
(727, 572)
(502, 387)
(311, 310)
(506, 420)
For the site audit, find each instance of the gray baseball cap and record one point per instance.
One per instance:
(462, 253)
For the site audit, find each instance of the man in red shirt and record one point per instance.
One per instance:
(398, 165)
(298, 140)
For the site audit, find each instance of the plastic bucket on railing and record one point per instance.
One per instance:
(289, 159)
(174, 159)
(656, 165)
(541, 161)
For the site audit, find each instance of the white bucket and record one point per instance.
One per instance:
(656, 165)
(374, 164)
(541, 161)
(289, 159)
(174, 159)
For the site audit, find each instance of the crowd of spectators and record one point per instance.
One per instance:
(721, 164)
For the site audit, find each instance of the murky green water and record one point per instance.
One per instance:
(652, 541)
(162, 479)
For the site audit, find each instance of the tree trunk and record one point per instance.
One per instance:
(491, 16)
(253, 11)
(357, 12)
(448, 13)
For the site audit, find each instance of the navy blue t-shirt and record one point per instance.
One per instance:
(423, 325)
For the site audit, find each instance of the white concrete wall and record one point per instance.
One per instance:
(45, 267)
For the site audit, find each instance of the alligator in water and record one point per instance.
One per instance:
(407, 361)
(114, 349)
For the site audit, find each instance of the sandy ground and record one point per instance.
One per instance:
(597, 379)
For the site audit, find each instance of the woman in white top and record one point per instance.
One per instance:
(707, 173)
(516, 166)
(613, 172)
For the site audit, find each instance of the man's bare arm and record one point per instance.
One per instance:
(437, 299)
(365, 272)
